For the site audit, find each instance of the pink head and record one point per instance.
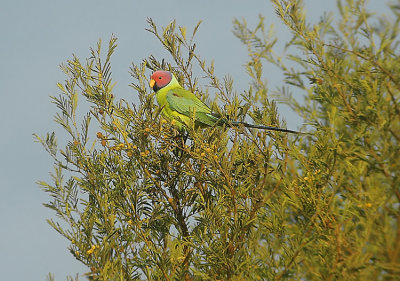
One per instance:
(160, 79)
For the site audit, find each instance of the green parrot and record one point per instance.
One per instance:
(181, 105)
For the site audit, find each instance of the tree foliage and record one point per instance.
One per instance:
(138, 201)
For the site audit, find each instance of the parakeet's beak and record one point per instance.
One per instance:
(152, 82)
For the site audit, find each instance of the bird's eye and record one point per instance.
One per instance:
(160, 77)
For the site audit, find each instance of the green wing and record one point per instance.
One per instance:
(186, 103)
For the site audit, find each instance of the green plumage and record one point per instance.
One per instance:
(182, 105)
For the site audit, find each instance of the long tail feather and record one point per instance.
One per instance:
(262, 127)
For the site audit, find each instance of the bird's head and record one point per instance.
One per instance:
(160, 79)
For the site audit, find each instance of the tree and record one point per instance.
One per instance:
(143, 202)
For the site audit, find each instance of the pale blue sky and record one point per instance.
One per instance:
(37, 36)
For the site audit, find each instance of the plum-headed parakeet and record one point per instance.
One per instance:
(181, 105)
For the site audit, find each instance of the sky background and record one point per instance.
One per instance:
(36, 37)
